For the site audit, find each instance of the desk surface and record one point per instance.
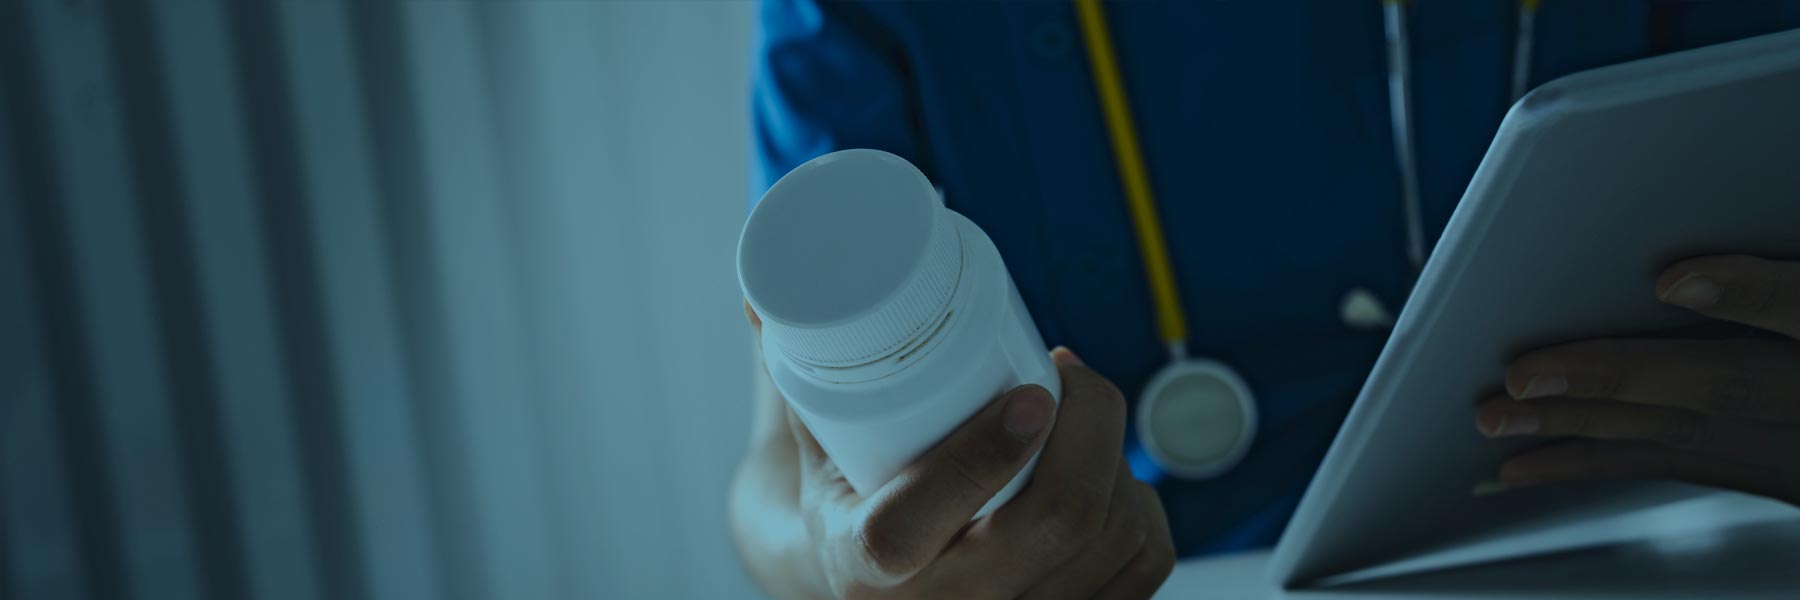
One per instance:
(1718, 547)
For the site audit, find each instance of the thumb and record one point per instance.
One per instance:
(1754, 291)
(915, 516)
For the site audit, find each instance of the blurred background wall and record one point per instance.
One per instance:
(371, 299)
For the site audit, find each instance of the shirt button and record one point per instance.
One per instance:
(1051, 40)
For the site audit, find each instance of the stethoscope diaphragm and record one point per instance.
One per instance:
(1196, 418)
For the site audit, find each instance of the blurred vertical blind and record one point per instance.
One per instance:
(371, 299)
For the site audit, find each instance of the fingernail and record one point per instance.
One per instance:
(1544, 385)
(1487, 487)
(1693, 291)
(1510, 423)
(1027, 413)
(1062, 356)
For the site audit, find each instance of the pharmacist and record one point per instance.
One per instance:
(1235, 195)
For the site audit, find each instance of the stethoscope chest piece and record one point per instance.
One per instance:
(1196, 418)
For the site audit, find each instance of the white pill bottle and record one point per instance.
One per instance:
(888, 319)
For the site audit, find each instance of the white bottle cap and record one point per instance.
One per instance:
(848, 257)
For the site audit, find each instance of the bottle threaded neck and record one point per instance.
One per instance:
(848, 258)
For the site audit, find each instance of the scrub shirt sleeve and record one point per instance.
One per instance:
(827, 77)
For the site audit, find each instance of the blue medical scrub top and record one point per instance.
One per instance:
(1266, 129)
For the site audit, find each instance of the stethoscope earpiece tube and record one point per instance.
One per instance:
(1522, 41)
(1399, 60)
(1400, 112)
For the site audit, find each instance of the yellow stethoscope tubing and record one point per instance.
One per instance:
(1134, 178)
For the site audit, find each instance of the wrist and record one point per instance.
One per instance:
(768, 531)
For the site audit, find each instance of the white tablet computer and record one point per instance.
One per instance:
(1594, 184)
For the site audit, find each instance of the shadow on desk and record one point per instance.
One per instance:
(1725, 546)
(1758, 560)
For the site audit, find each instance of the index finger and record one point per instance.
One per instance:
(1754, 291)
(1750, 379)
(912, 518)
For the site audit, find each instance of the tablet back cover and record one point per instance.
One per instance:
(1595, 183)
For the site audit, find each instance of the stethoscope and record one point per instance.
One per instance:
(1197, 417)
